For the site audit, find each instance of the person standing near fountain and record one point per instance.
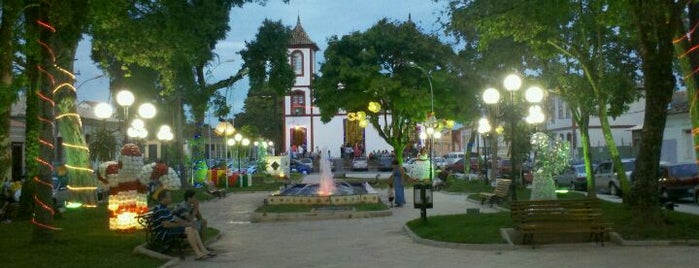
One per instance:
(398, 176)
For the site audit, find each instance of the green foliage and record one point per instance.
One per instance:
(103, 145)
(374, 66)
(271, 77)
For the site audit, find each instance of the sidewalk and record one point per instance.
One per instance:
(381, 242)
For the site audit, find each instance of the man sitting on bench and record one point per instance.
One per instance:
(167, 226)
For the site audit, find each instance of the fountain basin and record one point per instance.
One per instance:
(307, 194)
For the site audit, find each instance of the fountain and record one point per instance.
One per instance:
(324, 191)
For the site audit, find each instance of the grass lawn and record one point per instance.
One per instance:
(471, 229)
(308, 208)
(484, 227)
(83, 241)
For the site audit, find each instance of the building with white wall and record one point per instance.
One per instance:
(302, 124)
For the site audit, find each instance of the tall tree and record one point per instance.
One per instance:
(375, 66)
(271, 77)
(10, 12)
(40, 127)
(179, 49)
(655, 24)
(590, 40)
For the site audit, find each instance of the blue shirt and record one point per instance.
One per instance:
(161, 214)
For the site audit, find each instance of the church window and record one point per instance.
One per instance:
(297, 62)
(298, 103)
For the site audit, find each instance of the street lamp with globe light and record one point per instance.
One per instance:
(533, 96)
(164, 135)
(225, 129)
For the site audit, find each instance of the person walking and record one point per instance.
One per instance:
(398, 175)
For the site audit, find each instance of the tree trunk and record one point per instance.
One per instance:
(613, 150)
(41, 174)
(11, 9)
(584, 126)
(656, 50)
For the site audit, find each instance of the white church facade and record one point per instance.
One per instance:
(302, 124)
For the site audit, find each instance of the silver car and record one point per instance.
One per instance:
(606, 177)
(574, 177)
(360, 163)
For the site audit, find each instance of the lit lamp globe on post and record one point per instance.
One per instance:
(147, 110)
(164, 135)
(245, 142)
(238, 140)
(103, 110)
(125, 99)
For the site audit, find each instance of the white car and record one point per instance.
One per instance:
(440, 162)
(360, 163)
(418, 168)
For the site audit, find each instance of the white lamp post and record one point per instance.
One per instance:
(125, 99)
(225, 129)
(533, 95)
(164, 135)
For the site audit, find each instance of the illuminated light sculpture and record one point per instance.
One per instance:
(128, 198)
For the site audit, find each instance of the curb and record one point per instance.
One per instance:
(616, 238)
(315, 216)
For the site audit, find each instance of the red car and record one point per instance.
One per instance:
(458, 166)
(678, 180)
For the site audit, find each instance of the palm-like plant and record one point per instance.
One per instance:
(102, 145)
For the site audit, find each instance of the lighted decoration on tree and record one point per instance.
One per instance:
(552, 158)
(374, 107)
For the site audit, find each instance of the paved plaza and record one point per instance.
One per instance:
(382, 242)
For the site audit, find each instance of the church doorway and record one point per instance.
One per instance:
(297, 139)
(354, 135)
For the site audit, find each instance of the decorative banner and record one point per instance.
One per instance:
(278, 166)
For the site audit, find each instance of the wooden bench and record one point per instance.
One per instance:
(214, 191)
(501, 192)
(559, 216)
(156, 244)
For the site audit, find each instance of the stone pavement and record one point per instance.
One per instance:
(382, 242)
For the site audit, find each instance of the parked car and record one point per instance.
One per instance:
(360, 163)
(385, 163)
(307, 161)
(300, 167)
(574, 177)
(606, 177)
(504, 167)
(439, 162)
(458, 166)
(453, 157)
(417, 168)
(678, 180)
(696, 195)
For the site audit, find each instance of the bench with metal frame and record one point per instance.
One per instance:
(156, 244)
